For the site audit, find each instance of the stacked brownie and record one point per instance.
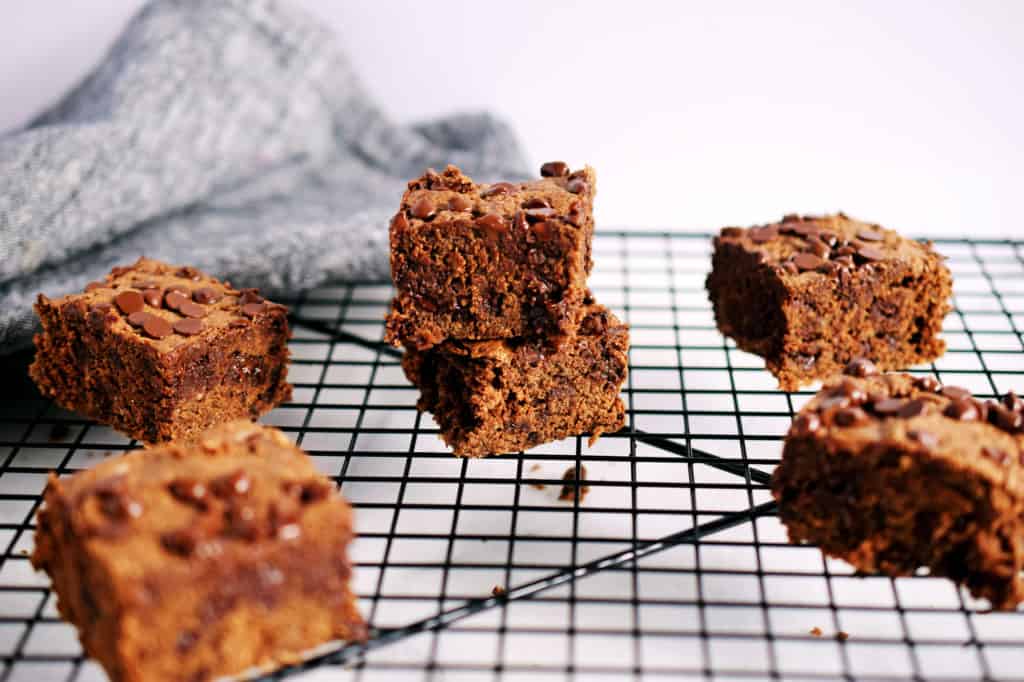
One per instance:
(502, 337)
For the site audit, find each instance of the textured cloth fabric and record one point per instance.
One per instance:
(232, 135)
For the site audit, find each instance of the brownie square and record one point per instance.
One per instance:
(161, 352)
(189, 562)
(491, 397)
(892, 473)
(811, 294)
(474, 262)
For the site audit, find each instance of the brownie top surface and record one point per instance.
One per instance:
(167, 306)
(452, 196)
(596, 321)
(797, 245)
(864, 410)
(241, 488)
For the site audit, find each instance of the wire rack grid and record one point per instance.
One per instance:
(673, 565)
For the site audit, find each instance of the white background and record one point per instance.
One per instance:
(696, 115)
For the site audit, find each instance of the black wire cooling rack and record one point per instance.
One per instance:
(672, 565)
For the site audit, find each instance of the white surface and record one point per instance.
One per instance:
(695, 115)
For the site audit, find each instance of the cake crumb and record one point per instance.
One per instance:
(498, 591)
(842, 636)
(574, 489)
(534, 467)
(816, 631)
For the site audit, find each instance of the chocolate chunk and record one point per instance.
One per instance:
(1000, 416)
(189, 326)
(238, 323)
(870, 235)
(400, 223)
(731, 232)
(181, 289)
(835, 401)
(861, 367)
(423, 208)
(205, 295)
(577, 186)
(542, 232)
(846, 250)
(850, 416)
(130, 302)
(459, 204)
(190, 309)
(253, 309)
(955, 392)
(536, 202)
(492, 223)
(964, 410)
(153, 297)
(807, 230)
(817, 247)
(91, 286)
(912, 408)
(807, 261)
(791, 218)
(843, 261)
(761, 235)
(576, 214)
(189, 491)
(250, 296)
(1013, 402)
(138, 318)
(173, 299)
(231, 485)
(554, 169)
(180, 542)
(927, 384)
(157, 327)
(498, 188)
(805, 424)
(926, 438)
(889, 406)
(870, 253)
(189, 272)
(537, 214)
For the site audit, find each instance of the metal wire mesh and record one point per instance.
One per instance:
(673, 565)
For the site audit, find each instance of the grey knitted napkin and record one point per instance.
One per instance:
(232, 135)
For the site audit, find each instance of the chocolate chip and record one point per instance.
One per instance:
(153, 297)
(492, 222)
(850, 416)
(498, 188)
(805, 424)
(817, 247)
(955, 392)
(238, 323)
(138, 318)
(926, 438)
(1013, 402)
(843, 261)
(100, 308)
(190, 309)
(889, 406)
(927, 384)
(791, 218)
(536, 202)
(400, 223)
(189, 326)
(834, 402)
(181, 289)
(423, 208)
(912, 408)
(861, 367)
(189, 272)
(761, 235)
(1005, 419)
(180, 542)
(554, 169)
(963, 410)
(542, 232)
(807, 261)
(205, 295)
(537, 214)
(157, 327)
(130, 302)
(459, 203)
(576, 213)
(846, 250)
(91, 286)
(577, 186)
(870, 235)
(731, 232)
(174, 299)
(240, 522)
(870, 253)
(188, 490)
(253, 309)
(807, 230)
(250, 296)
(233, 484)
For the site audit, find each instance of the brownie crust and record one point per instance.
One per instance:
(162, 352)
(193, 562)
(492, 397)
(810, 294)
(893, 474)
(474, 261)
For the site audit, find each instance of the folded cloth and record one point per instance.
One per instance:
(232, 135)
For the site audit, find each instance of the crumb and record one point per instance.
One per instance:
(574, 489)
(534, 467)
(538, 486)
(842, 636)
(59, 431)
(816, 631)
(498, 591)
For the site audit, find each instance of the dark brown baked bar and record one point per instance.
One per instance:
(189, 562)
(162, 352)
(474, 262)
(491, 397)
(810, 294)
(893, 473)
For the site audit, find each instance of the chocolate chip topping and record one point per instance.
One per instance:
(153, 297)
(189, 491)
(871, 253)
(138, 318)
(870, 235)
(577, 186)
(806, 424)
(818, 247)
(157, 327)
(129, 302)
(761, 235)
(955, 392)
(231, 485)
(492, 222)
(889, 406)
(850, 416)
(180, 542)
(423, 208)
(400, 223)
(807, 261)
(861, 367)
(205, 295)
(498, 188)
(554, 169)
(927, 384)
(174, 299)
(459, 203)
(189, 326)
(1004, 418)
(912, 408)
(963, 410)
(253, 309)
(250, 296)
(190, 309)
